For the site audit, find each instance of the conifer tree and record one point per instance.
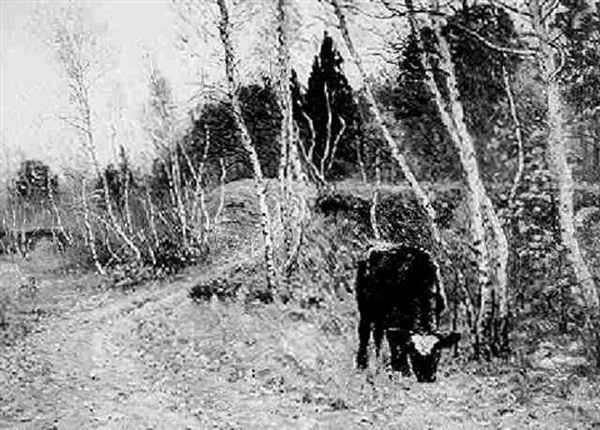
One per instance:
(330, 108)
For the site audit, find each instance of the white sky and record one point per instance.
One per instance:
(32, 90)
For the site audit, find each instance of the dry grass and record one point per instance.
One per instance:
(268, 366)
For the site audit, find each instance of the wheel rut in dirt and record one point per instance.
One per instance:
(81, 369)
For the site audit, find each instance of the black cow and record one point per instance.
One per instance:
(397, 290)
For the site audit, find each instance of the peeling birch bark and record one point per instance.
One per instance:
(397, 154)
(327, 147)
(480, 205)
(89, 230)
(292, 178)
(71, 58)
(518, 136)
(247, 144)
(584, 292)
(375, 199)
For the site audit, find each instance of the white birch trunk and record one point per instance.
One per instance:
(284, 100)
(518, 136)
(584, 292)
(420, 194)
(480, 205)
(294, 208)
(375, 199)
(70, 51)
(246, 140)
(91, 239)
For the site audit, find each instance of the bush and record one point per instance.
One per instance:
(34, 181)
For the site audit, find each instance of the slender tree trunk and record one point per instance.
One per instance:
(500, 254)
(328, 124)
(59, 223)
(125, 178)
(71, 56)
(178, 190)
(246, 140)
(361, 163)
(518, 136)
(375, 199)
(480, 205)
(292, 178)
(217, 217)
(584, 291)
(91, 238)
(150, 218)
(286, 132)
(91, 148)
(336, 142)
(307, 156)
(420, 194)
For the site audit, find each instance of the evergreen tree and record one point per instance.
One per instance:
(479, 71)
(213, 135)
(479, 67)
(330, 105)
(425, 137)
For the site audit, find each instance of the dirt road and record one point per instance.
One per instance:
(81, 369)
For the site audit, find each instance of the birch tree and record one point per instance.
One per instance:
(452, 116)
(74, 48)
(481, 207)
(394, 146)
(291, 176)
(492, 284)
(161, 126)
(584, 290)
(259, 181)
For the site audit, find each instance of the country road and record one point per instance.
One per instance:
(81, 369)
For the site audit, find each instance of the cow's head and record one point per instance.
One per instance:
(424, 353)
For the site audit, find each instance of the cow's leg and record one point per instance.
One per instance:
(364, 331)
(399, 354)
(377, 337)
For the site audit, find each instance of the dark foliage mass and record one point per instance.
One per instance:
(171, 257)
(399, 215)
(33, 182)
(214, 137)
(240, 280)
(480, 74)
(329, 103)
(411, 103)
(119, 180)
(479, 68)
(580, 23)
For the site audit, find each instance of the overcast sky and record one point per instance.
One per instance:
(32, 90)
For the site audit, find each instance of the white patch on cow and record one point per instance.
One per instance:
(424, 344)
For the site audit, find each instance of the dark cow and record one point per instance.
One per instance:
(397, 289)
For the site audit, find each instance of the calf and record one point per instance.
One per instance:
(397, 290)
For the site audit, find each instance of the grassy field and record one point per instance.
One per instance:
(78, 353)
